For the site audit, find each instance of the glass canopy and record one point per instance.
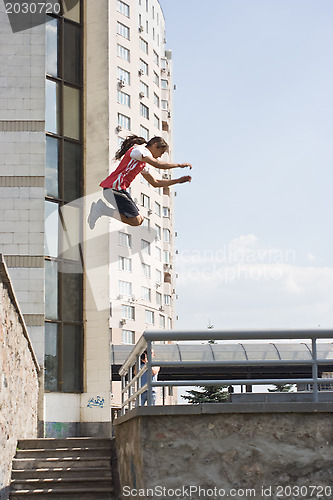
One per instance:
(284, 351)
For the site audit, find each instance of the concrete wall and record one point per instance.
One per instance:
(229, 447)
(18, 381)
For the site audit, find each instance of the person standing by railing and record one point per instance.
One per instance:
(144, 379)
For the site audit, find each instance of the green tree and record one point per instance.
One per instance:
(208, 394)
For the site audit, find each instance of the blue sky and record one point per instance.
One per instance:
(253, 113)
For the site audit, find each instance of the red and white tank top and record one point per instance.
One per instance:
(129, 167)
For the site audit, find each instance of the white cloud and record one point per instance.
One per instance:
(258, 286)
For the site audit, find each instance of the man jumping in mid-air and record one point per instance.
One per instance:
(134, 153)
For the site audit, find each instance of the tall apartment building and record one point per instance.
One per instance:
(71, 90)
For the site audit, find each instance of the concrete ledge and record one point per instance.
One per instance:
(227, 447)
(215, 408)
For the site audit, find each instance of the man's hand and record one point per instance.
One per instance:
(186, 178)
(184, 165)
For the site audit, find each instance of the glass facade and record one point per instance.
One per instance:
(63, 185)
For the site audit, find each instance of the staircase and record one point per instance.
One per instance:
(63, 469)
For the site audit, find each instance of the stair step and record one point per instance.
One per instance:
(51, 443)
(46, 493)
(61, 483)
(66, 472)
(62, 469)
(35, 463)
(63, 452)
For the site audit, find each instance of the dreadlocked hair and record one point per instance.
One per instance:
(129, 142)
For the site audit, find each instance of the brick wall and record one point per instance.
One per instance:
(18, 380)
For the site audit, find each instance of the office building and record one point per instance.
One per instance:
(71, 90)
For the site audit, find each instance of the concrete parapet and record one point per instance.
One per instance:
(231, 448)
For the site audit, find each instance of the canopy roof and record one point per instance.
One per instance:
(245, 351)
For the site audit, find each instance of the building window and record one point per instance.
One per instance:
(146, 293)
(144, 110)
(165, 105)
(144, 132)
(124, 264)
(162, 321)
(127, 337)
(123, 52)
(164, 84)
(144, 67)
(166, 257)
(144, 89)
(124, 121)
(125, 288)
(124, 76)
(127, 312)
(123, 8)
(157, 209)
(158, 190)
(158, 276)
(169, 324)
(146, 223)
(145, 247)
(156, 122)
(158, 231)
(156, 100)
(145, 200)
(123, 30)
(147, 5)
(143, 180)
(156, 58)
(64, 182)
(167, 300)
(166, 234)
(166, 212)
(146, 270)
(150, 317)
(156, 79)
(124, 240)
(123, 98)
(153, 33)
(158, 253)
(147, 27)
(158, 298)
(144, 45)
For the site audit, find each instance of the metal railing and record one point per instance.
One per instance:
(132, 371)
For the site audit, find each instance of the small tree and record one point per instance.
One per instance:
(208, 394)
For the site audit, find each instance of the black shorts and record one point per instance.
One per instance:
(123, 200)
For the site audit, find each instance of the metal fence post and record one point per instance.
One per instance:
(138, 382)
(122, 394)
(149, 374)
(315, 370)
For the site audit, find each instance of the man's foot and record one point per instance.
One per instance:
(93, 216)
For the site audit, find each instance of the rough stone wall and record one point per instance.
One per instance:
(239, 454)
(18, 387)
